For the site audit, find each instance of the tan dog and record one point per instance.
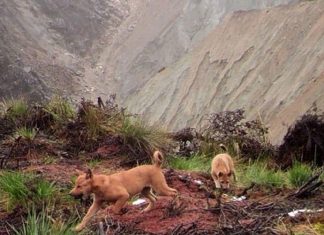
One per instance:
(222, 168)
(120, 187)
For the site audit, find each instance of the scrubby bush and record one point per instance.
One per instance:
(304, 141)
(229, 128)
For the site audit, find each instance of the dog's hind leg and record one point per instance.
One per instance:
(147, 192)
(163, 189)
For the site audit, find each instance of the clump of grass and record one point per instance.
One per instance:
(19, 189)
(13, 188)
(141, 137)
(26, 133)
(15, 109)
(44, 191)
(298, 174)
(259, 173)
(193, 163)
(43, 223)
(60, 109)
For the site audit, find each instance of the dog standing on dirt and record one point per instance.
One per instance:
(120, 187)
(222, 168)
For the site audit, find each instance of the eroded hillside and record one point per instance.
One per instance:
(269, 62)
(172, 61)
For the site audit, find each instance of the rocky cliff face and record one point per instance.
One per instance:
(44, 44)
(171, 61)
(269, 62)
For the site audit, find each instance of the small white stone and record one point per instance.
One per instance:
(138, 201)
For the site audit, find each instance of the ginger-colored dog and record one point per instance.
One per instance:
(120, 187)
(222, 168)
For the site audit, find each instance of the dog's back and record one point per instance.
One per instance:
(144, 175)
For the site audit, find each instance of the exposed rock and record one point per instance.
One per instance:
(171, 60)
(269, 62)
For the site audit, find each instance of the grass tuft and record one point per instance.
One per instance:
(43, 223)
(141, 137)
(193, 163)
(259, 173)
(298, 174)
(20, 189)
(13, 189)
(60, 109)
(14, 109)
(28, 134)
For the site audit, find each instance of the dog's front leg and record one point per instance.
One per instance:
(91, 212)
(120, 203)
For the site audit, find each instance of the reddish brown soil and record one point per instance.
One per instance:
(159, 220)
(189, 213)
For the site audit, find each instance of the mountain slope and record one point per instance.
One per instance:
(269, 62)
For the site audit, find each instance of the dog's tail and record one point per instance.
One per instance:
(157, 158)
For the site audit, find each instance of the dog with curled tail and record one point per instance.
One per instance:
(118, 188)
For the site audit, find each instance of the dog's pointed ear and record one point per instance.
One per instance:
(89, 174)
(79, 172)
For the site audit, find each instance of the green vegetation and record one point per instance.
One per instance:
(259, 173)
(26, 133)
(15, 109)
(43, 223)
(21, 189)
(93, 163)
(60, 109)
(193, 163)
(63, 132)
(14, 189)
(299, 174)
(141, 137)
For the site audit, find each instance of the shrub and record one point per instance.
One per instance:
(229, 127)
(298, 174)
(304, 141)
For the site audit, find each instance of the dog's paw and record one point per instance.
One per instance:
(123, 210)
